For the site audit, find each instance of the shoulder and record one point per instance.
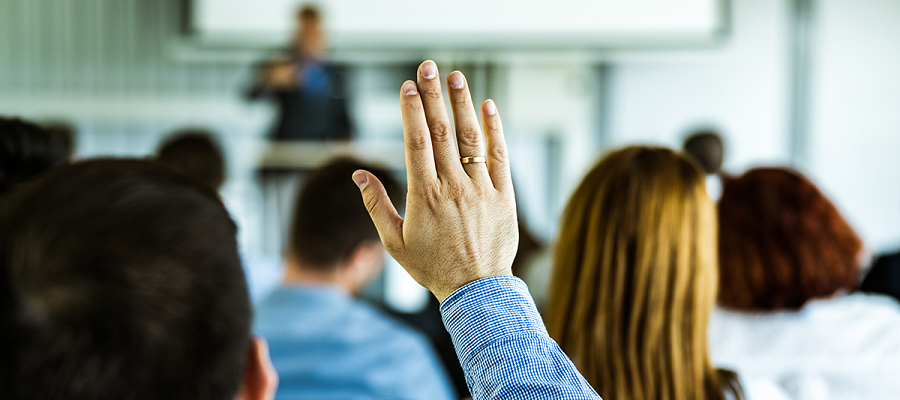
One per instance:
(893, 258)
(886, 265)
(884, 275)
(384, 325)
(837, 311)
(859, 306)
(761, 389)
(848, 328)
(273, 313)
(404, 351)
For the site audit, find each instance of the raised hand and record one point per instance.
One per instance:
(460, 223)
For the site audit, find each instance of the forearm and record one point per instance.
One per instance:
(503, 346)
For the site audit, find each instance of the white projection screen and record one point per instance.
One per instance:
(488, 24)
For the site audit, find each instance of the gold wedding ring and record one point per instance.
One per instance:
(472, 160)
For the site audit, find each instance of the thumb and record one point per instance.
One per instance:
(384, 215)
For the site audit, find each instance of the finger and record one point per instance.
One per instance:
(497, 154)
(468, 133)
(446, 158)
(417, 141)
(385, 217)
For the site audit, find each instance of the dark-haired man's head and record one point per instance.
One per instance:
(194, 153)
(706, 147)
(120, 279)
(66, 133)
(27, 150)
(332, 237)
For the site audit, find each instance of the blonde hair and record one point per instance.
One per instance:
(635, 279)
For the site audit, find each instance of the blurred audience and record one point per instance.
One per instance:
(121, 280)
(196, 154)
(788, 260)
(325, 343)
(635, 281)
(27, 150)
(706, 147)
(309, 91)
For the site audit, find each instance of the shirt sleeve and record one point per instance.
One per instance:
(504, 347)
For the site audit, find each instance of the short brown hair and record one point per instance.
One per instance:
(781, 242)
(26, 151)
(330, 220)
(194, 153)
(120, 279)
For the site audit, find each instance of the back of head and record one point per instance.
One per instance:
(65, 132)
(782, 242)
(707, 149)
(194, 154)
(27, 150)
(330, 220)
(120, 280)
(634, 278)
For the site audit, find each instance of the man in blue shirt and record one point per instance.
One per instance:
(325, 344)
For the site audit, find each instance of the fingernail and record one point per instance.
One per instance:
(490, 108)
(409, 88)
(429, 70)
(457, 81)
(360, 179)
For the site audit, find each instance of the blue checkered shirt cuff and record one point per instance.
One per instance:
(489, 310)
(503, 345)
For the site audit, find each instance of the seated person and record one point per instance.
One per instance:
(325, 343)
(787, 261)
(27, 150)
(634, 281)
(120, 279)
(195, 154)
(706, 147)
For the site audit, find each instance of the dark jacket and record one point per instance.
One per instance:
(309, 112)
(884, 276)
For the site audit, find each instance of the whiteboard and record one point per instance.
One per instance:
(468, 23)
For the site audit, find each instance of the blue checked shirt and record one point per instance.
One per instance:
(504, 347)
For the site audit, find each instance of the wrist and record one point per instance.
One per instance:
(443, 294)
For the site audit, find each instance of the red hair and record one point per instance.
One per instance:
(781, 242)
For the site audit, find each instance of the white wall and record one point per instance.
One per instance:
(853, 150)
(655, 96)
(855, 136)
(402, 24)
(548, 102)
(740, 88)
